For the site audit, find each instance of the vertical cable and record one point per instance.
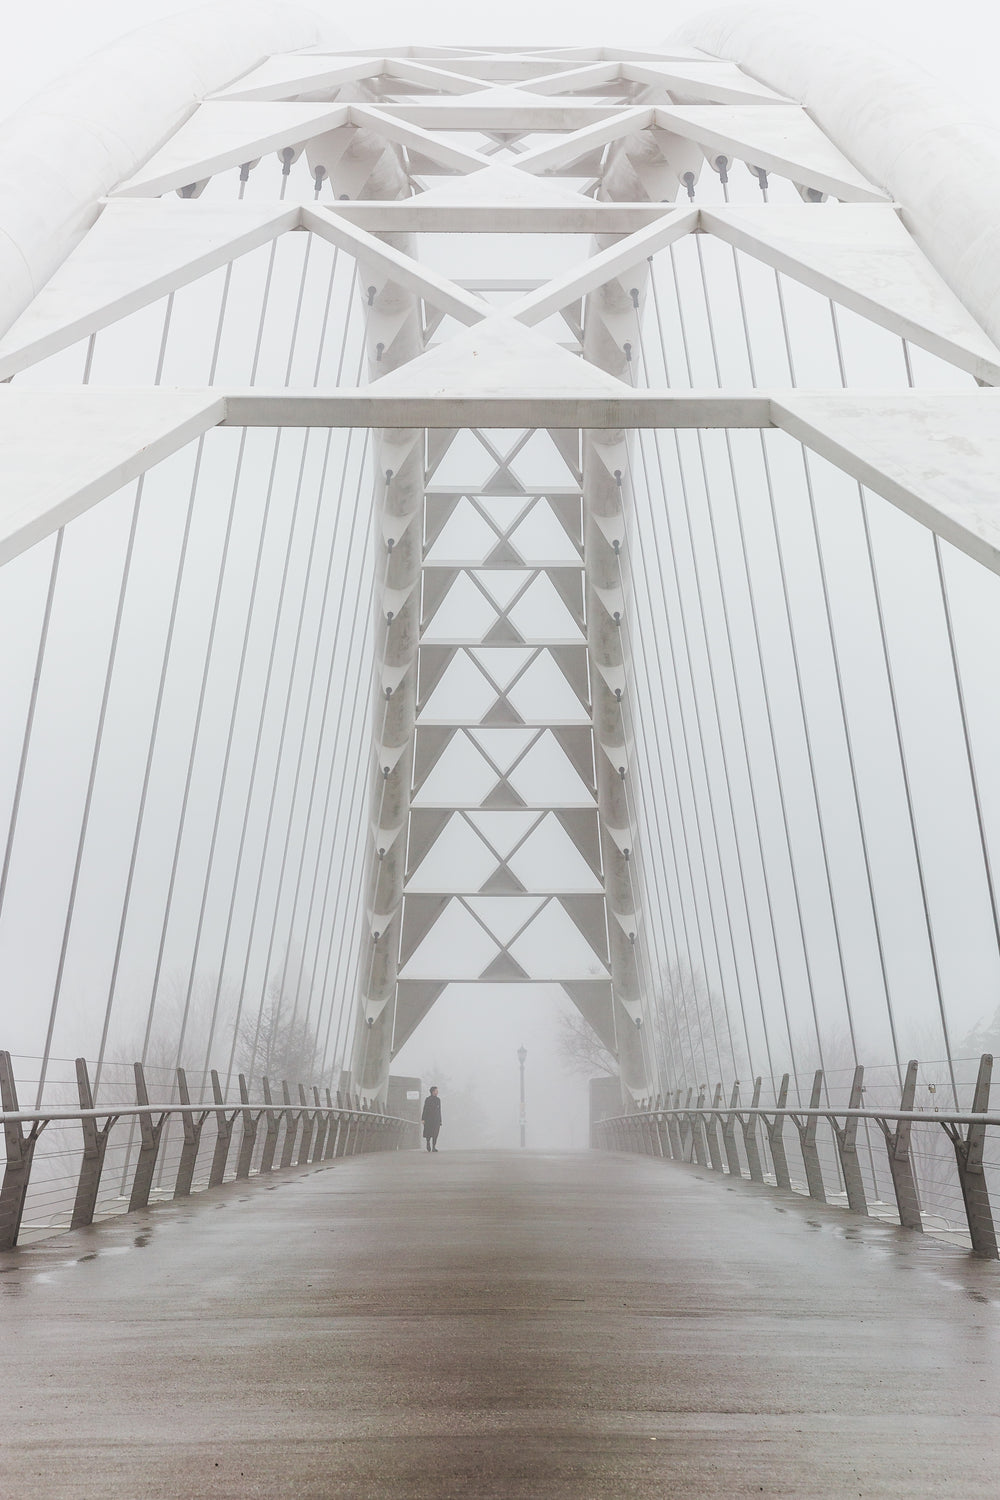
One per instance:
(797, 669)
(739, 698)
(95, 758)
(165, 661)
(768, 710)
(967, 737)
(646, 565)
(29, 724)
(237, 693)
(903, 764)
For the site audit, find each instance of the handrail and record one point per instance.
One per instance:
(128, 1111)
(313, 1132)
(659, 1129)
(720, 1111)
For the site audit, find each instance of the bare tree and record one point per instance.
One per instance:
(276, 1046)
(692, 1031)
(581, 1049)
(689, 1028)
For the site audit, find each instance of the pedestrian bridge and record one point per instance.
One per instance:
(480, 524)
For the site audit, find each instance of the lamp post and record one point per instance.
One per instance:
(522, 1054)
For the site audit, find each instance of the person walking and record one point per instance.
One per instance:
(431, 1117)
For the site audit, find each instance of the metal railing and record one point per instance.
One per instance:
(295, 1133)
(707, 1135)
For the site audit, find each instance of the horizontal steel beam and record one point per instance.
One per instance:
(447, 409)
(467, 216)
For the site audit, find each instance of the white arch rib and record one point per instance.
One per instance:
(65, 149)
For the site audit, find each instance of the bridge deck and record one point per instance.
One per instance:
(509, 1325)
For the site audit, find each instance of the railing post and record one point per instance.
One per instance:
(95, 1144)
(712, 1132)
(674, 1129)
(729, 1135)
(331, 1129)
(364, 1128)
(224, 1134)
(192, 1139)
(698, 1130)
(270, 1129)
(291, 1126)
(149, 1148)
(846, 1137)
(343, 1126)
(775, 1137)
(659, 1126)
(898, 1146)
(648, 1132)
(969, 1158)
(20, 1151)
(248, 1131)
(807, 1141)
(322, 1126)
(687, 1130)
(748, 1125)
(308, 1125)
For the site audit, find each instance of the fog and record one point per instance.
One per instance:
(957, 45)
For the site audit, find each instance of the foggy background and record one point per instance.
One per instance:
(956, 44)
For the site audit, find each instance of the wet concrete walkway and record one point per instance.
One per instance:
(497, 1325)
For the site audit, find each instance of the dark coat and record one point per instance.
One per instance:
(431, 1115)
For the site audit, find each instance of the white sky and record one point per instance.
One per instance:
(957, 43)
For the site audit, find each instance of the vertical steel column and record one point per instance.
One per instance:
(394, 335)
(605, 463)
(613, 757)
(969, 1158)
(897, 1142)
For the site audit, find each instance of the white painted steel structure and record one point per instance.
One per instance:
(537, 803)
